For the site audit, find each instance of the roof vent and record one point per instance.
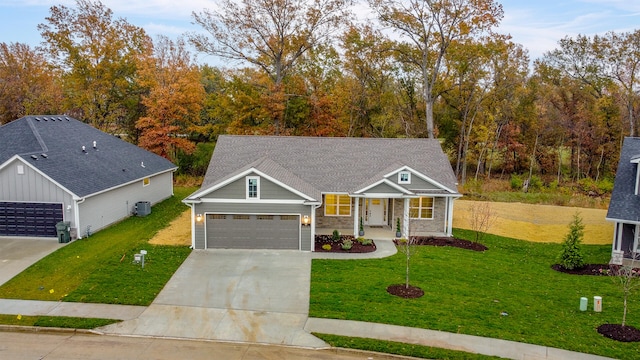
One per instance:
(45, 119)
(34, 157)
(142, 163)
(44, 155)
(84, 150)
(37, 119)
(95, 144)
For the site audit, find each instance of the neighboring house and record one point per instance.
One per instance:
(56, 168)
(276, 192)
(624, 207)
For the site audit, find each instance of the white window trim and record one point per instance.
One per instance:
(20, 169)
(400, 181)
(249, 178)
(337, 205)
(420, 208)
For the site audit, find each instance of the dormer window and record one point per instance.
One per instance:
(253, 187)
(404, 177)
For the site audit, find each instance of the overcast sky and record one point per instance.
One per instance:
(536, 24)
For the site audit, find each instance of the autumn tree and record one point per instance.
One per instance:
(28, 83)
(271, 35)
(174, 101)
(428, 29)
(97, 56)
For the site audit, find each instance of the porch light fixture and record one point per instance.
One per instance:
(199, 218)
(306, 221)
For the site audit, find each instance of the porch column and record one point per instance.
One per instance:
(313, 225)
(356, 217)
(449, 216)
(617, 254)
(405, 219)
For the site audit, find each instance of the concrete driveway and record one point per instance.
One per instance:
(17, 254)
(259, 296)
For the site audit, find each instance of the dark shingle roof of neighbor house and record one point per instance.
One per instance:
(53, 144)
(329, 164)
(624, 204)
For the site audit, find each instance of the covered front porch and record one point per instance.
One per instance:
(379, 215)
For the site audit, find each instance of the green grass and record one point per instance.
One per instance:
(55, 321)
(100, 269)
(465, 292)
(397, 348)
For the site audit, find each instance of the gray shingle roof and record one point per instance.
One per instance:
(624, 204)
(112, 163)
(331, 164)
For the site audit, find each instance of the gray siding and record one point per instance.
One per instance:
(268, 191)
(251, 208)
(33, 187)
(382, 189)
(102, 210)
(417, 183)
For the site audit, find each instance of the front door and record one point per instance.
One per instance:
(377, 212)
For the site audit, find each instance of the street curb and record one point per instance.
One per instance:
(45, 330)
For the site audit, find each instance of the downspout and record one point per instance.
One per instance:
(193, 225)
(76, 214)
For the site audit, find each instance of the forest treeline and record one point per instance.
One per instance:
(314, 68)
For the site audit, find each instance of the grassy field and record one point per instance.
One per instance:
(100, 269)
(539, 223)
(466, 292)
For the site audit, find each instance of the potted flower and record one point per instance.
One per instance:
(398, 232)
(361, 232)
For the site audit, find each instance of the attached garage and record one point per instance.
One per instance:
(253, 231)
(29, 219)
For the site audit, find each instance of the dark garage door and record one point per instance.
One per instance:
(228, 231)
(29, 219)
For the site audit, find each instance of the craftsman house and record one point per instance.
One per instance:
(277, 192)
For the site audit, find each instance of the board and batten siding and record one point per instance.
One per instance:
(268, 190)
(251, 208)
(31, 186)
(104, 209)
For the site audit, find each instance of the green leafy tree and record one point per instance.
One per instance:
(97, 56)
(571, 256)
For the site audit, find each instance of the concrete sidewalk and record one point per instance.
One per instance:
(198, 313)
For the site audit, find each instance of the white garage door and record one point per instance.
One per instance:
(253, 231)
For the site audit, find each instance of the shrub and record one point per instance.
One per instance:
(535, 183)
(516, 182)
(367, 242)
(360, 240)
(335, 236)
(326, 247)
(571, 256)
(347, 245)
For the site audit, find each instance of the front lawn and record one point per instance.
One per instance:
(100, 269)
(467, 292)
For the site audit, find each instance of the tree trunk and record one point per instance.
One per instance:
(533, 158)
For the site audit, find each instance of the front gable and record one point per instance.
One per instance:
(236, 188)
(21, 181)
(414, 181)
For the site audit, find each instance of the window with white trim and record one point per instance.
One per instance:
(337, 205)
(404, 177)
(253, 187)
(421, 208)
(20, 169)
(146, 181)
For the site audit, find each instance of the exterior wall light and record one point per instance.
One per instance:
(199, 218)
(306, 220)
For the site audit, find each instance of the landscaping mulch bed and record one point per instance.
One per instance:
(588, 269)
(401, 290)
(337, 246)
(620, 333)
(446, 241)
